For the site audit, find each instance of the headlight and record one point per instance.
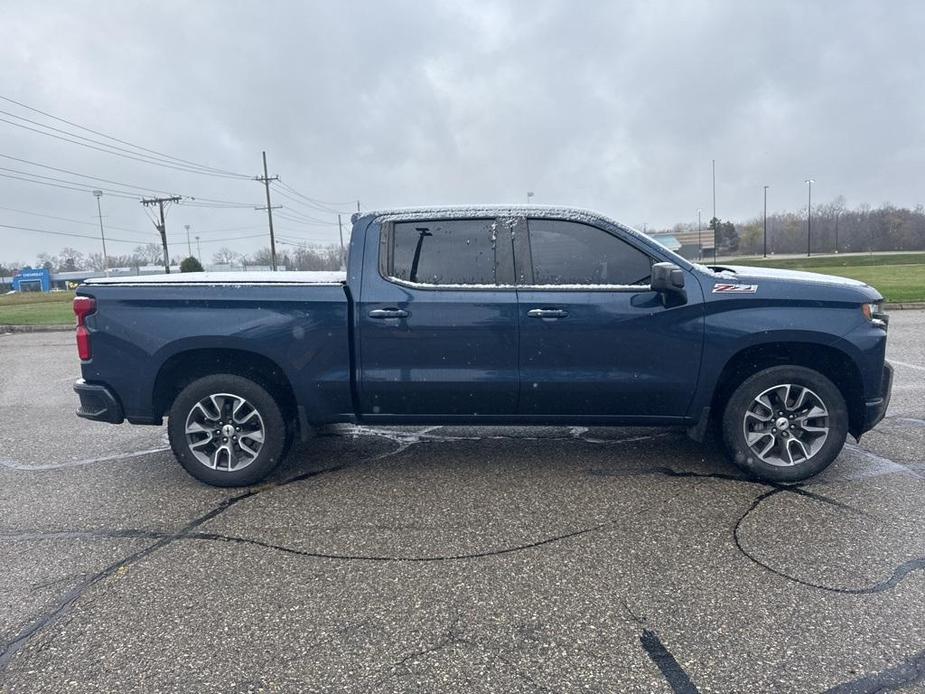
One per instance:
(875, 314)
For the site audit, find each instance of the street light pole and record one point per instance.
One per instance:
(699, 238)
(189, 246)
(715, 220)
(198, 251)
(98, 194)
(809, 218)
(837, 212)
(529, 195)
(766, 221)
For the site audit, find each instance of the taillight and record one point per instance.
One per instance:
(83, 307)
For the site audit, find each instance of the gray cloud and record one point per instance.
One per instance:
(617, 107)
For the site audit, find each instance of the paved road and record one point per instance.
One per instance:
(453, 559)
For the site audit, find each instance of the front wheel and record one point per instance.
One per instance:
(227, 431)
(785, 423)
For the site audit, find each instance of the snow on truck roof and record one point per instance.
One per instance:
(225, 278)
(573, 214)
(462, 211)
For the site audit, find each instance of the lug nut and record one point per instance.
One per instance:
(224, 440)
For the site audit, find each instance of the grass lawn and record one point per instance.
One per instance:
(900, 278)
(36, 308)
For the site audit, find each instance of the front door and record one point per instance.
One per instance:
(594, 340)
(437, 330)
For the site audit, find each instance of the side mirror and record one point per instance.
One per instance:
(667, 278)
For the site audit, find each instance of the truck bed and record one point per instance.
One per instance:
(294, 323)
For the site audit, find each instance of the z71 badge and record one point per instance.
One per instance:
(735, 288)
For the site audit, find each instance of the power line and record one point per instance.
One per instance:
(72, 186)
(159, 154)
(148, 189)
(307, 205)
(144, 160)
(81, 175)
(64, 233)
(64, 180)
(68, 219)
(316, 201)
(301, 220)
(250, 227)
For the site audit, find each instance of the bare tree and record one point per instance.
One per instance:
(224, 256)
(149, 254)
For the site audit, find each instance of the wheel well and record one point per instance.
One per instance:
(829, 361)
(182, 369)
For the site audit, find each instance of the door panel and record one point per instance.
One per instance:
(599, 351)
(614, 353)
(427, 344)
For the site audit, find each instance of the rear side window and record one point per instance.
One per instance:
(458, 251)
(572, 253)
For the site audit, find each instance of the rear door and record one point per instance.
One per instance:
(594, 339)
(437, 320)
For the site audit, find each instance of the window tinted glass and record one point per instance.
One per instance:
(572, 253)
(459, 251)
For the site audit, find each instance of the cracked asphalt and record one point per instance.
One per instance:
(454, 558)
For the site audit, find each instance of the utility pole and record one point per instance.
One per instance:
(766, 221)
(343, 254)
(98, 194)
(265, 179)
(189, 246)
(162, 227)
(198, 251)
(358, 205)
(809, 218)
(715, 220)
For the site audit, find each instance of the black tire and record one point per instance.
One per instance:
(746, 457)
(276, 436)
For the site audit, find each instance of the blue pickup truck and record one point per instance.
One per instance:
(488, 315)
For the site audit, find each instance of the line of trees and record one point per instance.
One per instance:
(861, 229)
(296, 258)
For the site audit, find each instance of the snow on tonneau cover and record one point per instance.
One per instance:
(227, 278)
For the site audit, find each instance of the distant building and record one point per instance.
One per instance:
(692, 245)
(32, 280)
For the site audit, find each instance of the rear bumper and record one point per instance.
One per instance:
(98, 403)
(876, 409)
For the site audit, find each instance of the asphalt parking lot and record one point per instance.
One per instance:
(454, 559)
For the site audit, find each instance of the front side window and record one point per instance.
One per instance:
(573, 253)
(458, 251)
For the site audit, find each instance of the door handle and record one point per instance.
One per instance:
(388, 313)
(547, 313)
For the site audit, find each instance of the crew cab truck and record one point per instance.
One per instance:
(487, 315)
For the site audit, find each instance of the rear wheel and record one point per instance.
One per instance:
(785, 423)
(227, 431)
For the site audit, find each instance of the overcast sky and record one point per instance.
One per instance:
(618, 107)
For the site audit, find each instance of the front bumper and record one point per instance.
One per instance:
(98, 403)
(876, 409)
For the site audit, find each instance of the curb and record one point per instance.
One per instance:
(36, 328)
(910, 305)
